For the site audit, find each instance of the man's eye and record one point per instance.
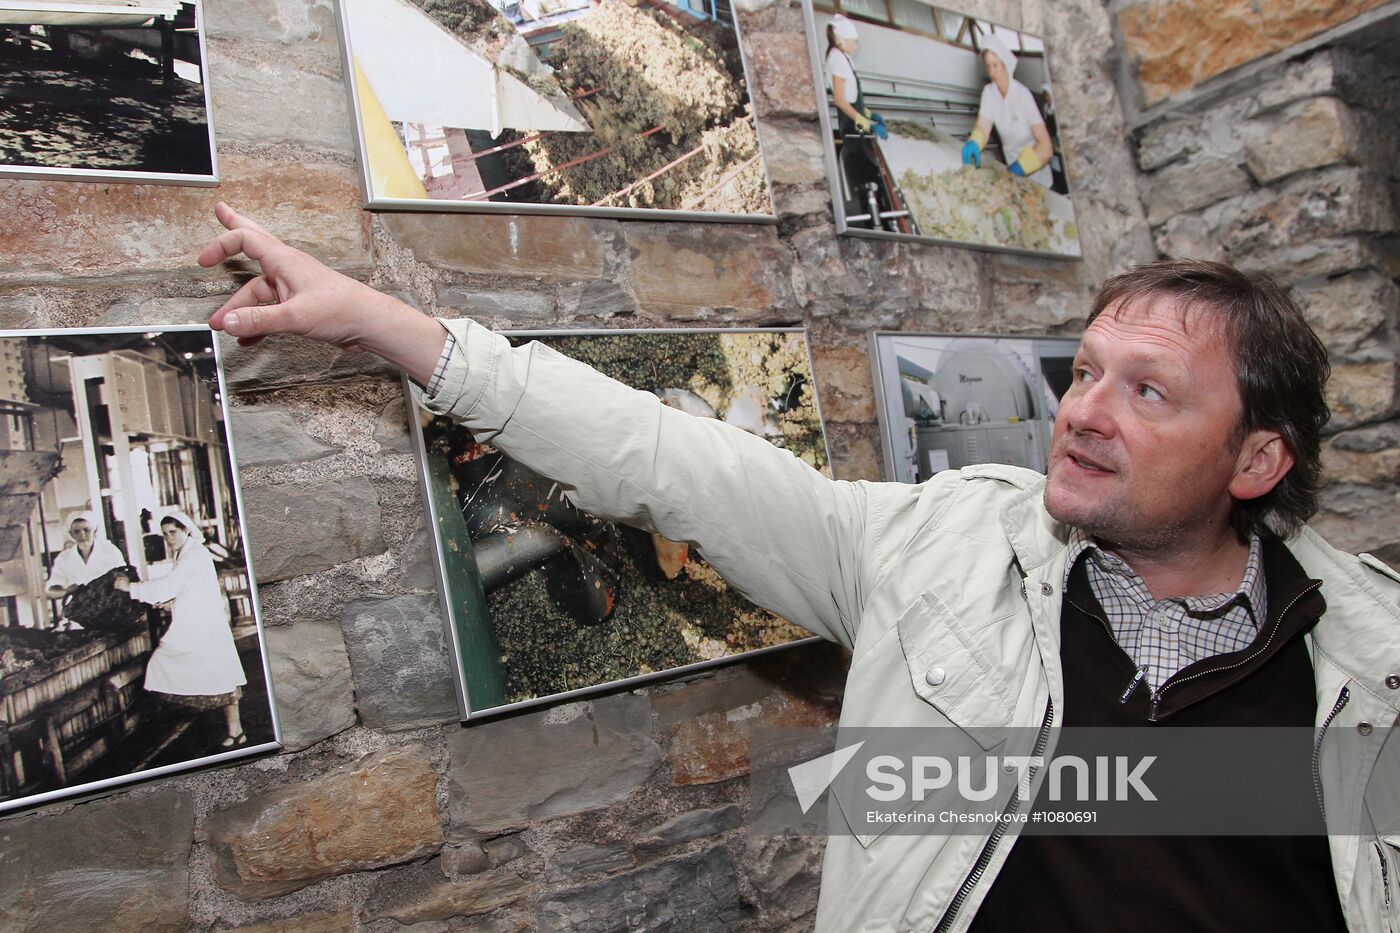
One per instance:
(1151, 394)
(1083, 375)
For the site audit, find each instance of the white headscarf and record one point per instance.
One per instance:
(86, 516)
(993, 43)
(845, 29)
(190, 526)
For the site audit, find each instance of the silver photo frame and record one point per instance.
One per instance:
(599, 607)
(920, 70)
(116, 439)
(106, 90)
(473, 118)
(946, 401)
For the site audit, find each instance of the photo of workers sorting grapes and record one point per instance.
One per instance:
(941, 127)
(129, 640)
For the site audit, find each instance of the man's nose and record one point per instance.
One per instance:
(1091, 409)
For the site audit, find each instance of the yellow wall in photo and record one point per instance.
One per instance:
(390, 174)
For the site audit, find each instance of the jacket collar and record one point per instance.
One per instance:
(1360, 629)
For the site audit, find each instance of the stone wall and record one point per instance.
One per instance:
(1290, 169)
(627, 811)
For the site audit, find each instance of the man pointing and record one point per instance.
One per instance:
(1160, 575)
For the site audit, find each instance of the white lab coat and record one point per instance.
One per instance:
(1015, 117)
(69, 568)
(197, 656)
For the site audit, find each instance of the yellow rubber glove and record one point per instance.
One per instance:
(862, 122)
(1028, 163)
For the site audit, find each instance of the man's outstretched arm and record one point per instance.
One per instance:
(780, 532)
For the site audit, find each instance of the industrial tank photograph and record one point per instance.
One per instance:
(545, 601)
(612, 108)
(105, 90)
(130, 644)
(946, 402)
(940, 127)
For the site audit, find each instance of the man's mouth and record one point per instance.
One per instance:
(1088, 464)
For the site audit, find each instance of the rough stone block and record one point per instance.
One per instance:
(422, 894)
(1178, 44)
(506, 775)
(1316, 133)
(510, 307)
(793, 152)
(20, 312)
(1292, 263)
(1359, 518)
(782, 79)
(126, 313)
(51, 229)
(554, 249)
(1347, 310)
(120, 864)
(583, 860)
(270, 436)
(697, 271)
(283, 362)
(785, 871)
(372, 813)
(601, 299)
(1369, 456)
(698, 893)
(845, 382)
(1189, 236)
(417, 561)
(301, 528)
(1330, 202)
(294, 22)
(469, 858)
(1190, 186)
(855, 452)
(391, 428)
(1361, 392)
(342, 921)
(399, 657)
(311, 677)
(695, 824)
(278, 99)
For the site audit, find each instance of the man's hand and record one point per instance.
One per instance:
(296, 294)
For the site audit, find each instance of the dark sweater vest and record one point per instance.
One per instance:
(1144, 884)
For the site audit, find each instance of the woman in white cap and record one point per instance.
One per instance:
(1009, 107)
(90, 557)
(196, 664)
(841, 42)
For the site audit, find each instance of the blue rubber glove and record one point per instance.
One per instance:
(972, 153)
(1017, 170)
(878, 120)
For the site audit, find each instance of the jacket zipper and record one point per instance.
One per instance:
(1342, 699)
(1157, 694)
(980, 867)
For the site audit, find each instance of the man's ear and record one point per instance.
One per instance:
(1264, 460)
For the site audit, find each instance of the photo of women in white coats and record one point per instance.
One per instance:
(196, 663)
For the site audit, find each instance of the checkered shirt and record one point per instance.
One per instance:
(1162, 636)
(440, 370)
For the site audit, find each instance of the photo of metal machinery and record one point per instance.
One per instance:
(545, 601)
(949, 402)
(580, 106)
(105, 89)
(129, 639)
(941, 126)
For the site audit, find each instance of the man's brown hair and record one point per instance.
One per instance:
(1281, 370)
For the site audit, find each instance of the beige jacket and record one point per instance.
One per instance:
(962, 573)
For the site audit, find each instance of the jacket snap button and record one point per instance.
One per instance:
(1047, 590)
(936, 676)
(1393, 681)
(1363, 728)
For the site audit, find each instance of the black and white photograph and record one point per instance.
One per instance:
(105, 90)
(130, 644)
(940, 126)
(603, 107)
(946, 402)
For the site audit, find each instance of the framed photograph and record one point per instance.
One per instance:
(608, 108)
(545, 602)
(947, 401)
(130, 641)
(105, 90)
(939, 127)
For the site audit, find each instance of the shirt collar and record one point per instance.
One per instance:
(1250, 591)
